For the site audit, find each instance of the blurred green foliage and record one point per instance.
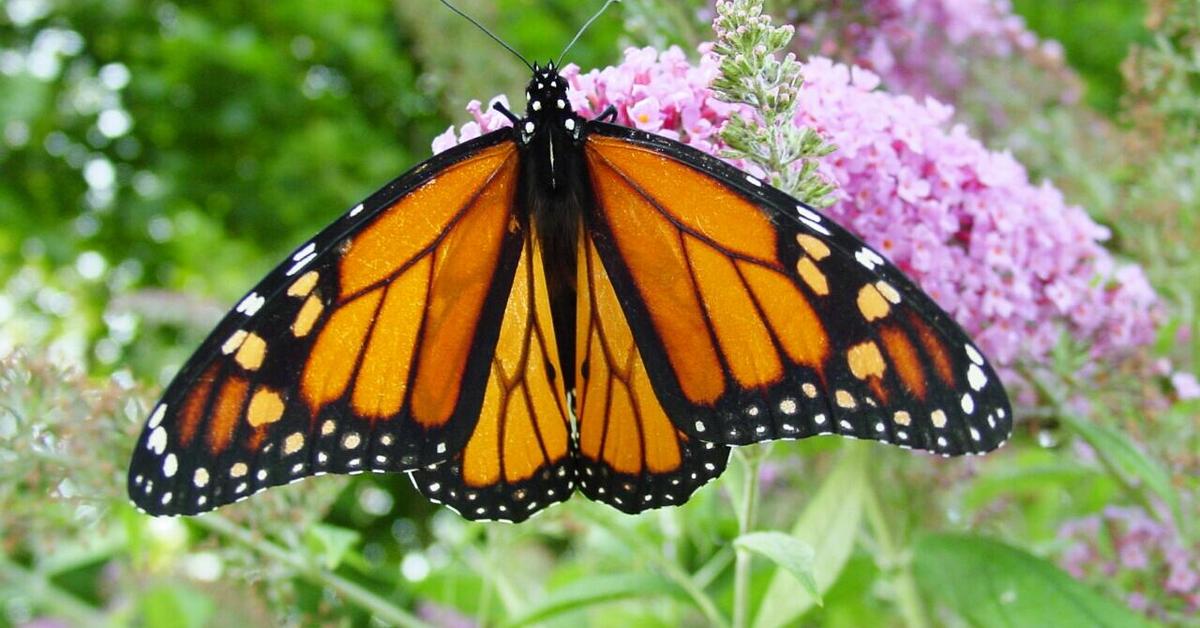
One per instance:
(1097, 36)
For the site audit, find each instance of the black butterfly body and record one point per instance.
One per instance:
(564, 305)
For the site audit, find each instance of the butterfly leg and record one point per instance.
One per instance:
(608, 115)
(507, 114)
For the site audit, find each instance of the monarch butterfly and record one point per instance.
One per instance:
(564, 305)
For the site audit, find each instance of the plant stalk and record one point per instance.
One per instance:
(752, 459)
(912, 610)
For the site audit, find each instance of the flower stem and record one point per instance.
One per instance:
(912, 610)
(751, 459)
(669, 568)
(382, 609)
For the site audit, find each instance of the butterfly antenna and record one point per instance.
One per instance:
(490, 34)
(584, 28)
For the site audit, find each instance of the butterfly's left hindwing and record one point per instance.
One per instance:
(759, 319)
(519, 458)
(366, 350)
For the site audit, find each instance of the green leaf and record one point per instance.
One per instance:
(830, 526)
(788, 552)
(176, 607)
(989, 583)
(1125, 460)
(592, 591)
(330, 543)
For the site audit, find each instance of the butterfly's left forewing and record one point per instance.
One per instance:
(367, 350)
(759, 319)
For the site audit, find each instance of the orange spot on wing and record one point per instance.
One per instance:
(649, 245)
(795, 322)
(334, 355)
(194, 404)
(414, 222)
(740, 330)
(464, 266)
(226, 411)
(266, 406)
(905, 358)
(383, 377)
(934, 349)
(701, 203)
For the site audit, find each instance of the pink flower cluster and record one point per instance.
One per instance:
(924, 47)
(1011, 260)
(1127, 547)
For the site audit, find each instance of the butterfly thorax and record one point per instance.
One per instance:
(555, 190)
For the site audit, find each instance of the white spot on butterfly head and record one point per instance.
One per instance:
(536, 106)
(570, 124)
(700, 426)
(529, 126)
(560, 104)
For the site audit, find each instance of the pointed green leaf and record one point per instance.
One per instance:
(788, 552)
(330, 543)
(829, 525)
(988, 583)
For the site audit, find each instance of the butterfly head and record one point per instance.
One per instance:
(547, 104)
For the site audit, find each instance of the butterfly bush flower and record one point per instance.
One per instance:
(927, 47)
(1010, 259)
(1127, 547)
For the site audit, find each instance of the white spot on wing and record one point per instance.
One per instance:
(754, 181)
(158, 415)
(157, 441)
(968, 403)
(868, 258)
(974, 354)
(357, 210)
(170, 465)
(808, 214)
(975, 377)
(301, 263)
(815, 226)
(251, 304)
